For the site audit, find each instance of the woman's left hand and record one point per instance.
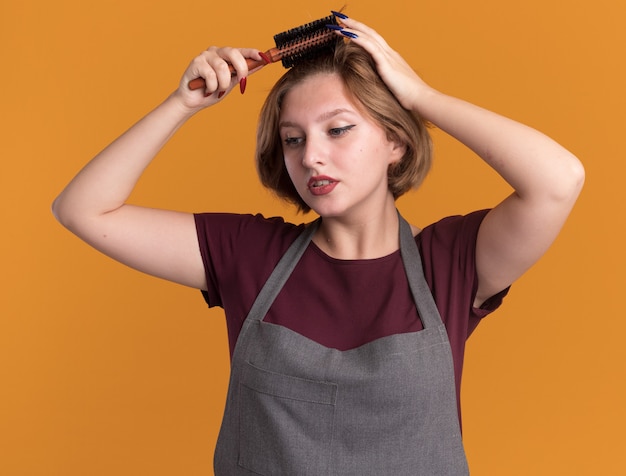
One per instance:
(399, 77)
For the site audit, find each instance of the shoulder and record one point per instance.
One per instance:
(243, 226)
(448, 249)
(240, 220)
(239, 250)
(453, 228)
(243, 236)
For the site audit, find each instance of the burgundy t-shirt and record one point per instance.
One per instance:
(342, 304)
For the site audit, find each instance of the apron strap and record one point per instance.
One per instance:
(426, 307)
(281, 273)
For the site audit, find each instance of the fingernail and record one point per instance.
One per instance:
(207, 94)
(339, 15)
(349, 34)
(265, 58)
(242, 84)
(220, 94)
(334, 27)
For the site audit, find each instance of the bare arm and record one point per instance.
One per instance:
(93, 205)
(545, 177)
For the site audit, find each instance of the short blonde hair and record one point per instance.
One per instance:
(358, 72)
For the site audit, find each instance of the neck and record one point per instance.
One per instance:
(373, 236)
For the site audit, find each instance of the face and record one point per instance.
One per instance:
(336, 156)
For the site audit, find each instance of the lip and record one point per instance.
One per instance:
(321, 185)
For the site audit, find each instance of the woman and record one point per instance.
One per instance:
(346, 341)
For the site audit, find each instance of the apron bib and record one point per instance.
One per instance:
(295, 407)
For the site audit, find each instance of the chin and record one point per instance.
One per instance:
(324, 210)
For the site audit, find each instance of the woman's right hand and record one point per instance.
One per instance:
(214, 67)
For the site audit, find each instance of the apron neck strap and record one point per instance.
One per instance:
(426, 307)
(281, 272)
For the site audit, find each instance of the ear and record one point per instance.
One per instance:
(398, 149)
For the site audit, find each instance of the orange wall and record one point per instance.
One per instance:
(104, 371)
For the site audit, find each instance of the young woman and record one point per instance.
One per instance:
(346, 334)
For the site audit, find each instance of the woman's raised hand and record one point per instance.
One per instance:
(219, 69)
(397, 74)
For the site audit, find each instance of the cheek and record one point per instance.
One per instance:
(291, 165)
(288, 161)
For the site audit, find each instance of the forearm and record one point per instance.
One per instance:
(107, 181)
(532, 163)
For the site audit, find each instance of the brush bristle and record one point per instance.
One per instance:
(306, 42)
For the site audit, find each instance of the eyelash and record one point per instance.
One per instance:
(341, 130)
(334, 132)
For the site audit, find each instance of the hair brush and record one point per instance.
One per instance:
(293, 46)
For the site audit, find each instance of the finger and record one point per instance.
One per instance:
(241, 62)
(259, 58)
(200, 75)
(370, 40)
(234, 61)
(362, 30)
(373, 43)
(247, 62)
(220, 59)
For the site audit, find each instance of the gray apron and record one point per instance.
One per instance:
(297, 408)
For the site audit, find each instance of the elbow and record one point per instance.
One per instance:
(75, 213)
(57, 211)
(568, 184)
(576, 177)
(61, 212)
(557, 188)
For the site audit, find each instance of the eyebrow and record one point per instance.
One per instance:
(323, 117)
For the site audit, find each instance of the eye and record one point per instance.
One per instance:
(293, 141)
(340, 131)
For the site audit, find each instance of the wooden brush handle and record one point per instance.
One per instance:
(199, 83)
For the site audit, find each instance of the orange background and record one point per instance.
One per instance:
(104, 371)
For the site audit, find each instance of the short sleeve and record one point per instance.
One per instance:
(448, 249)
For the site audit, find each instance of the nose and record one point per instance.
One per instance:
(312, 154)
